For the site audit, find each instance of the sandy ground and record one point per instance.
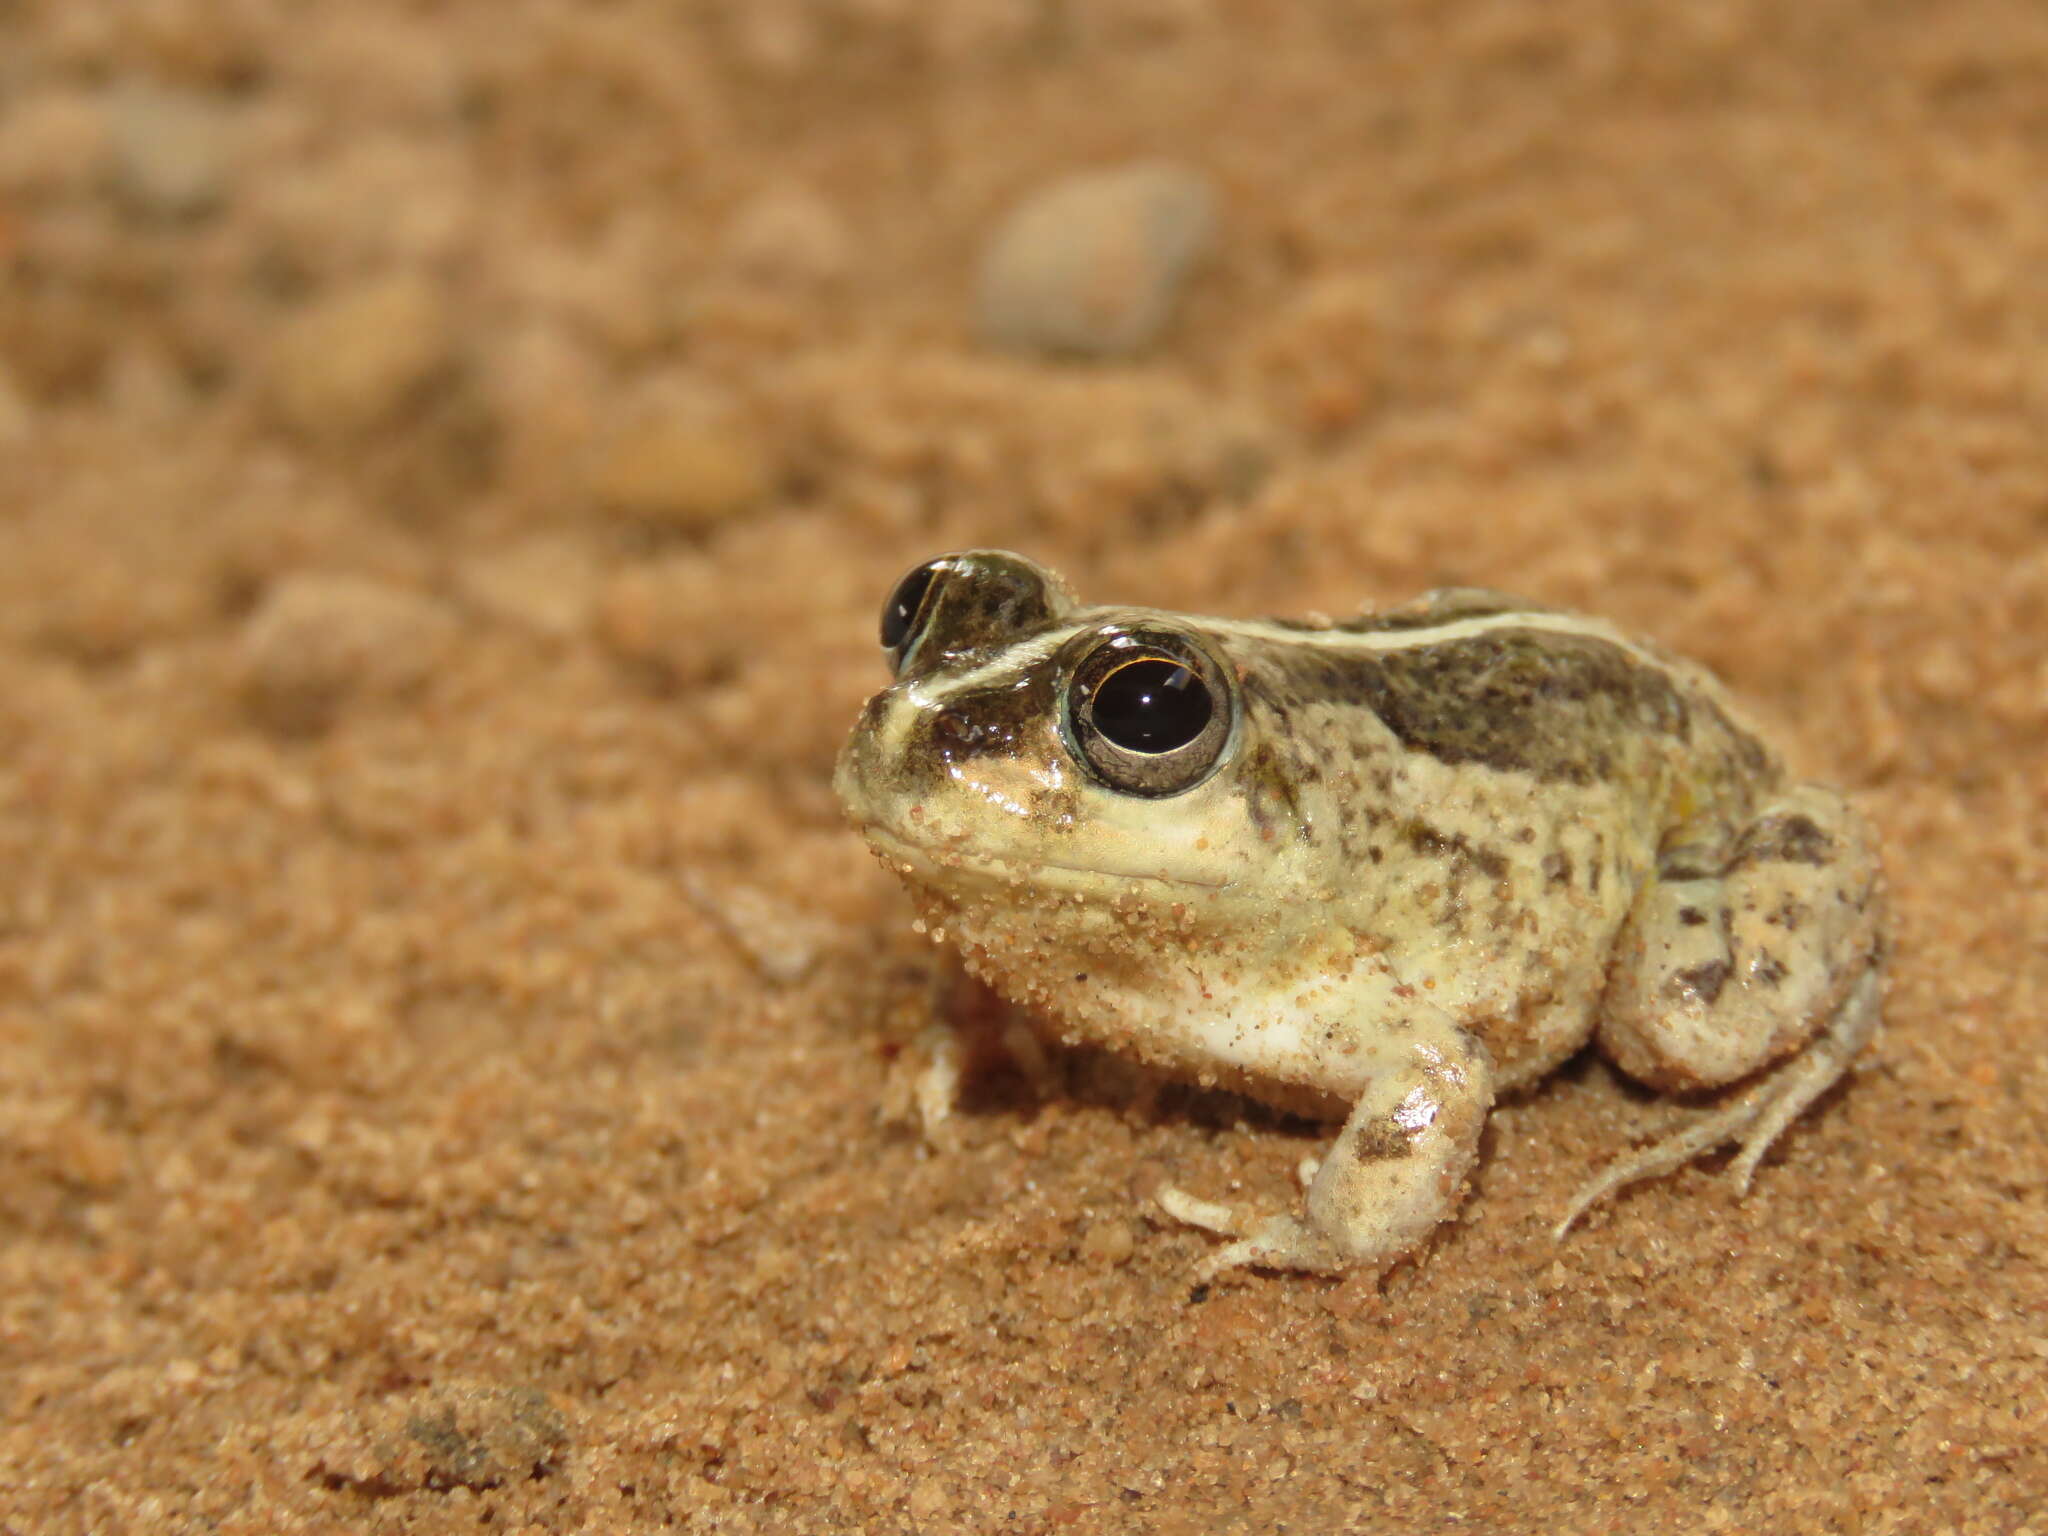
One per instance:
(451, 458)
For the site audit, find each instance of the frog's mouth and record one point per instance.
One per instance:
(941, 865)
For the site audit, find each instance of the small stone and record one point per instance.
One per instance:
(788, 237)
(1109, 1242)
(320, 641)
(352, 360)
(170, 151)
(484, 1437)
(1094, 264)
(545, 389)
(677, 472)
(546, 584)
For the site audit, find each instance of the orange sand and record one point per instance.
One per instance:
(450, 461)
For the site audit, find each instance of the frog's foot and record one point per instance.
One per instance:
(1278, 1242)
(969, 1024)
(1757, 1117)
(936, 1088)
(1192, 1210)
(1394, 1172)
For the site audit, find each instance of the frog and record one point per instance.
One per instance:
(1380, 871)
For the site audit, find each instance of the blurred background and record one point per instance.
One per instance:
(452, 456)
(682, 327)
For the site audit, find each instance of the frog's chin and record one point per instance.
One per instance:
(948, 866)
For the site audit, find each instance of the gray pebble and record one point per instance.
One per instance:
(320, 642)
(170, 150)
(1095, 263)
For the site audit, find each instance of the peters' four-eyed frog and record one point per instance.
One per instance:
(1382, 870)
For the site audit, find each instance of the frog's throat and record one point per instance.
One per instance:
(944, 866)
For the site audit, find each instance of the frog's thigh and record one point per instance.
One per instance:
(1728, 963)
(1395, 1171)
(1723, 970)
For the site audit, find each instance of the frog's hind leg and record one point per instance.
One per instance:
(1766, 947)
(1757, 1117)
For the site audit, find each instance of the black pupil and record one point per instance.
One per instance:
(900, 612)
(1151, 706)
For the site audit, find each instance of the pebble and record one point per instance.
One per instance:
(678, 472)
(545, 389)
(1109, 1242)
(170, 151)
(547, 584)
(478, 1437)
(1095, 264)
(319, 642)
(349, 362)
(788, 237)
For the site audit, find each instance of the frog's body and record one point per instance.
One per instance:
(1395, 867)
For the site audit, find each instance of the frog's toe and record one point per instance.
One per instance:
(1278, 1242)
(1795, 1086)
(1666, 1156)
(1193, 1211)
(1754, 1119)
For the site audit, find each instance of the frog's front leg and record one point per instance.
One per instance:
(968, 1022)
(1395, 1171)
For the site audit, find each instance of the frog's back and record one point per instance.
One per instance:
(1480, 684)
(1477, 789)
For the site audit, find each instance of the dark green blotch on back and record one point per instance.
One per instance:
(1547, 704)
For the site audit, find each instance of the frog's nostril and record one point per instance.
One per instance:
(953, 731)
(958, 733)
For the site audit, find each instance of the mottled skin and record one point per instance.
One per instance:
(1436, 852)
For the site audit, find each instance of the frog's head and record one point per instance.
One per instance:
(1030, 744)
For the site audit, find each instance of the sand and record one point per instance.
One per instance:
(452, 1056)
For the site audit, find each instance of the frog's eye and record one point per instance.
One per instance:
(904, 613)
(970, 603)
(1148, 713)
